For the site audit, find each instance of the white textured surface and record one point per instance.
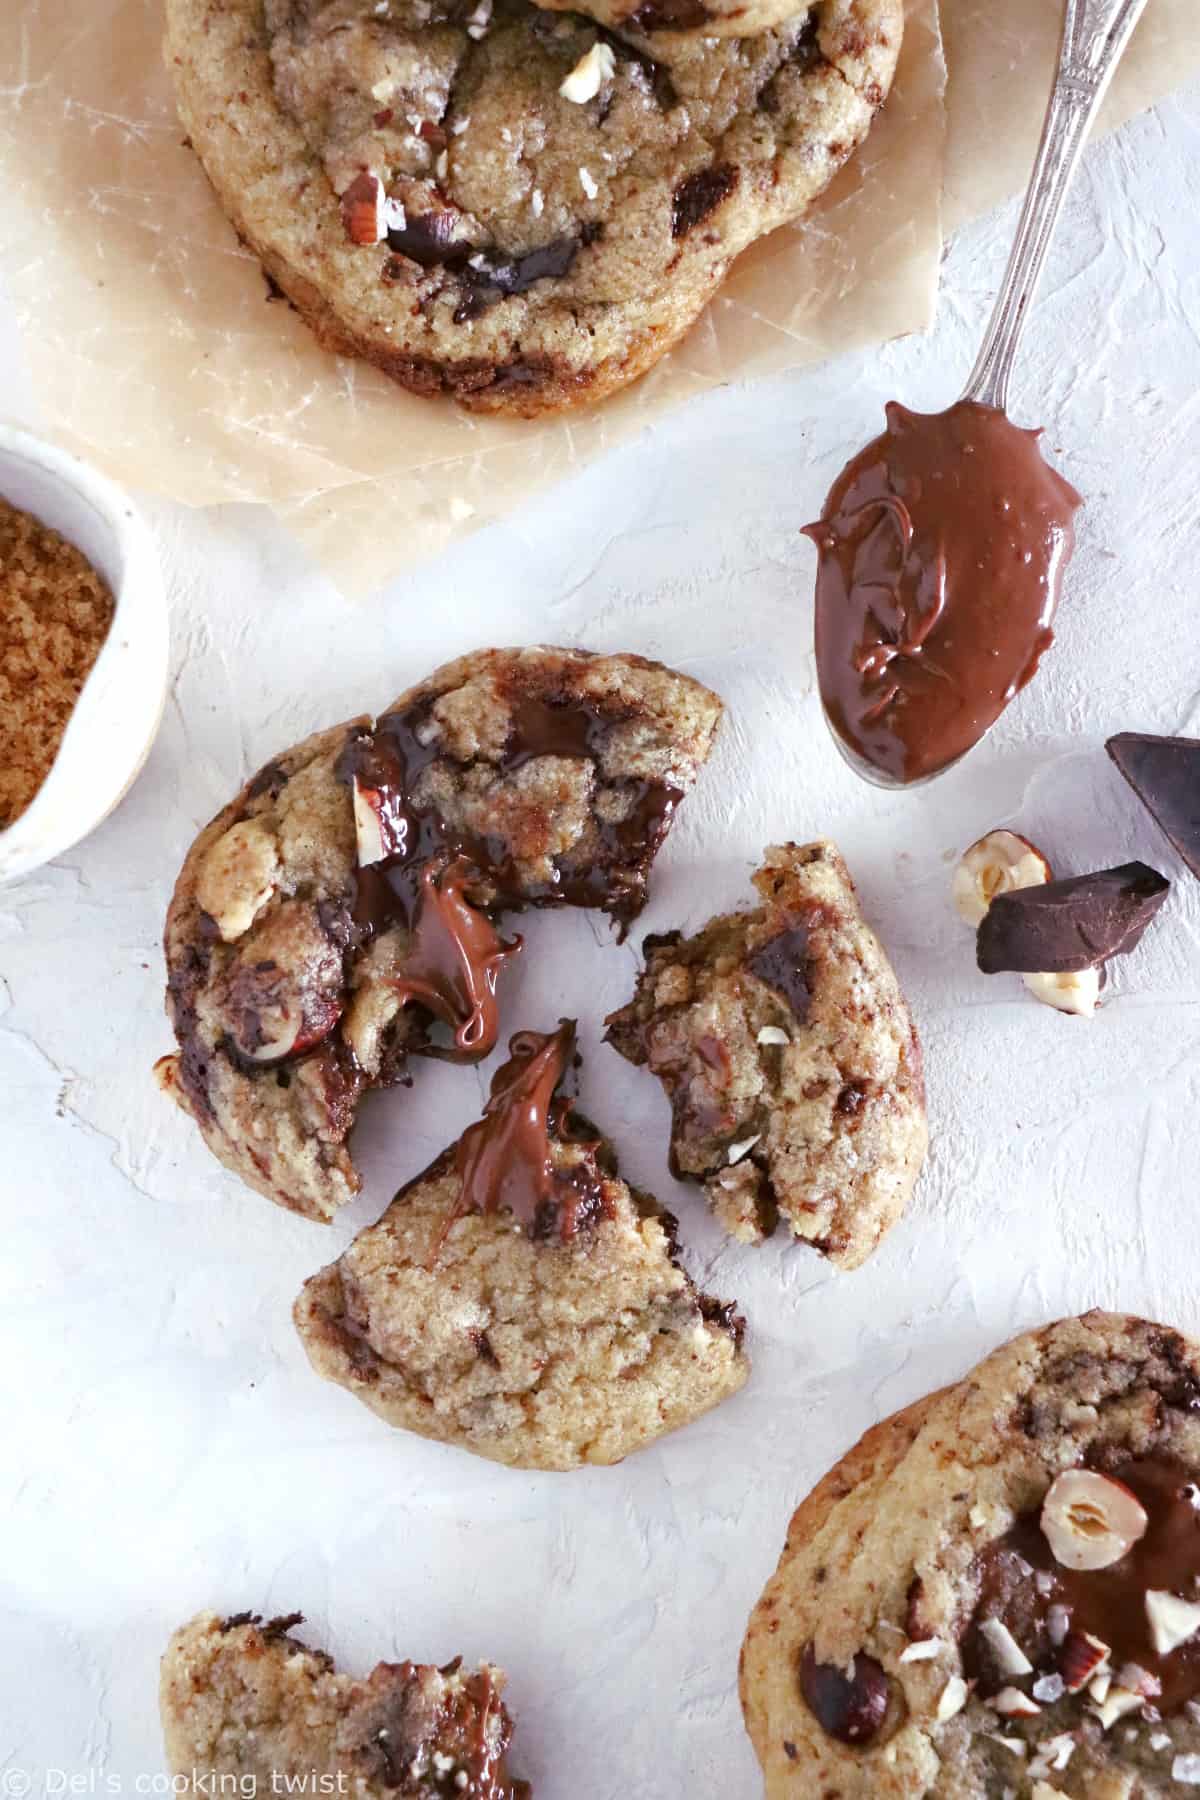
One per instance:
(166, 1445)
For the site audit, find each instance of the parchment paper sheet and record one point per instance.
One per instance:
(155, 350)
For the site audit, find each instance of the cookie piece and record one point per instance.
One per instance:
(930, 1629)
(416, 182)
(340, 914)
(791, 1060)
(518, 1299)
(244, 1700)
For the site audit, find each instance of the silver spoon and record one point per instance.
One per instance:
(1094, 36)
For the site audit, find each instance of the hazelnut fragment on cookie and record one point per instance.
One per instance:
(997, 1591)
(245, 1700)
(342, 913)
(491, 201)
(518, 1299)
(790, 1058)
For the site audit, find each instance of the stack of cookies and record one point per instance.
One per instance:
(520, 205)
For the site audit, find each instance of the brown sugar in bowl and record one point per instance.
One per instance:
(114, 720)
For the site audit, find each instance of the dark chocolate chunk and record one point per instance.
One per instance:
(429, 239)
(848, 1708)
(1070, 925)
(1022, 1584)
(670, 15)
(700, 195)
(1164, 773)
(489, 278)
(782, 962)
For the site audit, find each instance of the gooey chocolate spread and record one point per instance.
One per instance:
(941, 551)
(506, 1163)
(428, 865)
(1023, 1585)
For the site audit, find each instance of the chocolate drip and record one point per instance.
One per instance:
(1019, 1582)
(941, 548)
(454, 957)
(505, 1163)
(454, 952)
(782, 962)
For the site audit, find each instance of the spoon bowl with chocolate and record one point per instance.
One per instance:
(943, 544)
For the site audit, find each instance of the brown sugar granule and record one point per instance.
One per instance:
(55, 613)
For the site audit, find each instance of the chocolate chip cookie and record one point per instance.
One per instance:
(511, 205)
(245, 1701)
(340, 915)
(997, 1591)
(790, 1058)
(518, 1299)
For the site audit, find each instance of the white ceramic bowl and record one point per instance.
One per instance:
(117, 715)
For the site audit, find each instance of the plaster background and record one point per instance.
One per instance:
(165, 1445)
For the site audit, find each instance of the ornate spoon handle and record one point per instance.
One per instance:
(1094, 34)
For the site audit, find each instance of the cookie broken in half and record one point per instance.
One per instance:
(342, 913)
(790, 1058)
(518, 1299)
(243, 1700)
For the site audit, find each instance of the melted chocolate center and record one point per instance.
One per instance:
(505, 1163)
(454, 952)
(941, 551)
(1020, 1582)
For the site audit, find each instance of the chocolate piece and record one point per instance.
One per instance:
(700, 195)
(489, 278)
(1065, 926)
(782, 962)
(941, 552)
(850, 1709)
(1164, 773)
(669, 15)
(1019, 1583)
(430, 239)
(505, 1162)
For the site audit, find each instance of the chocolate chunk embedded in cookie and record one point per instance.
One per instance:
(791, 1060)
(439, 189)
(518, 1299)
(998, 1590)
(245, 1702)
(341, 914)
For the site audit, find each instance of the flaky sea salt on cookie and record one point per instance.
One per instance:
(247, 1708)
(998, 1590)
(791, 1061)
(486, 199)
(518, 1299)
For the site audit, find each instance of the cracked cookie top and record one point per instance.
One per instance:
(790, 1058)
(998, 1591)
(518, 1299)
(242, 1697)
(522, 206)
(341, 914)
